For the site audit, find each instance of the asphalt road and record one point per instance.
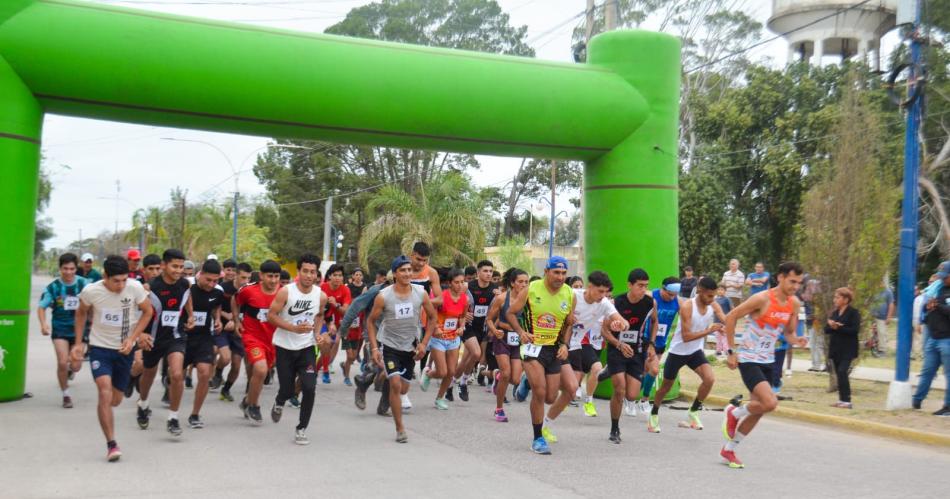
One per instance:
(47, 451)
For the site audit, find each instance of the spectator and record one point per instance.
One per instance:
(811, 287)
(758, 281)
(733, 279)
(937, 349)
(688, 282)
(843, 325)
(85, 269)
(380, 277)
(576, 282)
(919, 303)
(883, 312)
(722, 343)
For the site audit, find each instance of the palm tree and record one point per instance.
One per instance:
(446, 212)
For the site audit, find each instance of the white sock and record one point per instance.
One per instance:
(143, 404)
(731, 445)
(741, 412)
(465, 378)
(590, 398)
(172, 415)
(548, 422)
(66, 392)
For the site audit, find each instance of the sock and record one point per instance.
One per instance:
(172, 415)
(548, 422)
(697, 405)
(227, 386)
(656, 409)
(590, 399)
(465, 378)
(111, 444)
(731, 445)
(614, 425)
(537, 430)
(66, 392)
(143, 404)
(741, 412)
(218, 371)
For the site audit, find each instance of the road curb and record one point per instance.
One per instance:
(867, 427)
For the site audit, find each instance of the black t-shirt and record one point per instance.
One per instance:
(687, 285)
(481, 299)
(356, 290)
(636, 314)
(204, 304)
(229, 290)
(169, 301)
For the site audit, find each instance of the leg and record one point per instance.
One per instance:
(943, 346)
(224, 358)
(105, 405)
(568, 385)
(616, 400)
(236, 361)
(592, 379)
(201, 390)
(929, 369)
(286, 375)
(844, 384)
(472, 353)
(660, 395)
(145, 382)
(307, 375)
(707, 378)
(440, 370)
(350, 359)
(176, 379)
(395, 403)
(61, 349)
(536, 377)
(256, 382)
(763, 401)
(504, 377)
(451, 362)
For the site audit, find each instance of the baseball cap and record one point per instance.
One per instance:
(87, 257)
(556, 262)
(133, 254)
(399, 261)
(673, 287)
(212, 256)
(943, 270)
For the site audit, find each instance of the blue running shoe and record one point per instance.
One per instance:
(540, 446)
(522, 393)
(326, 378)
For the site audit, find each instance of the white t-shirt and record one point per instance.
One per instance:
(300, 308)
(588, 318)
(114, 315)
(918, 306)
(729, 279)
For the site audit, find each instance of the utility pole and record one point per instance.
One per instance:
(899, 393)
(553, 195)
(589, 23)
(115, 232)
(184, 205)
(327, 228)
(234, 227)
(610, 14)
(588, 34)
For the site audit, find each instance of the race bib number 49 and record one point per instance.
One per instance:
(262, 315)
(480, 311)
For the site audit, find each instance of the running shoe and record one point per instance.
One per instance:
(402, 437)
(730, 457)
(359, 398)
(253, 412)
(842, 405)
(173, 427)
(216, 382)
(129, 388)
(165, 400)
(590, 410)
(276, 412)
(113, 454)
(945, 410)
(294, 402)
(521, 394)
(644, 406)
(269, 377)
(573, 402)
(463, 392)
(300, 437)
(406, 403)
(188, 382)
(67, 402)
(614, 436)
(653, 423)
(441, 404)
(692, 421)
(603, 375)
(424, 380)
(729, 423)
(226, 396)
(548, 435)
(347, 382)
(500, 416)
(450, 394)
(195, 422)
(629, 408)
(540, 446)
(70, 373)
(326, 378)
(142, 416)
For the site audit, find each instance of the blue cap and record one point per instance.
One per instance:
(556, 262)
(673, 287)
(399, 262)
(943, 270)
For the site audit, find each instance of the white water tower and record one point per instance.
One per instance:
(839, 28)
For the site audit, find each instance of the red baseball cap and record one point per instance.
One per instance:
(133, 254)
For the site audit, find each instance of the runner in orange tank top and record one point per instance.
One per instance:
(445, 342)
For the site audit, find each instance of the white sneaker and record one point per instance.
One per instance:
(630, 408)
(579, 394)
(645, 406)
(406, 403)
(300, 437)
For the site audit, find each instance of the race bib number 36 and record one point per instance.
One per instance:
(451, 324)
(201, 318)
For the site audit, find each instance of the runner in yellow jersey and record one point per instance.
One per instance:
(548, 311)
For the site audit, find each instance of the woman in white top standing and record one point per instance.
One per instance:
(686, 349)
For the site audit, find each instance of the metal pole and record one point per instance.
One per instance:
(610, 14)
(899, 395)
(553, 194)
(234, 228)
(327, 221)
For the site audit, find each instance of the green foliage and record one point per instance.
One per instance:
(512, 254)
(44, 225)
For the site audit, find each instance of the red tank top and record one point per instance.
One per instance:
(777, 315)
(451, 314)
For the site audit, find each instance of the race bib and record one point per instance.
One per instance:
(766, 343)
(629, 336)
(577, 335)
(480, 311)
(530, 350)
(661, 331)
(201, 318)
(302, 319)
(170, 318)
(111, 317)
(595, 336)
(355, 323)
(71, 303)
(262, 315)
(404, 310)
(513, 339)
(451, 324)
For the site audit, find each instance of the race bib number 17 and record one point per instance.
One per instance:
(404, 310)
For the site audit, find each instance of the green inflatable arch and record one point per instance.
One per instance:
(618, 113)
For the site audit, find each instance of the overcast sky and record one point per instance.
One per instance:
(99, 153)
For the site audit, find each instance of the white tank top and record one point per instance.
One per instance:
(300, 307)
(697, 323)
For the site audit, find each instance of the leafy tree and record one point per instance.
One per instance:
(44, 224)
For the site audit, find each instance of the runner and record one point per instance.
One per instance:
(85, 269)
(628, 351)
(667, 306)
(151, 268)
(770, 313)
(228, 271)
(359, 306)
(505, 340)
(188, 271)
(427, 277)
(697, 321)
(62, 296)
(592, 309)
(354, 334)
(134, 257)
(284, 278)
(548, 312)
(207, 299)
(481, 293)
(254, 301)
(169, 294)
(120, 311)
(400, 307)
(229, 343)
(445, 342)
(470, 273)
(296, 315)
(338, 299)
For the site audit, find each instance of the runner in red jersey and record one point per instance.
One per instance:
(257, 334)
(338, 300)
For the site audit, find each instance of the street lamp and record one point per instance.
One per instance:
(339, 241)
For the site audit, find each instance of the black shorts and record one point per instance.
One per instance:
(227, 339)
(753, 374)
(617, 363)
(471, 332)
(584, 358)
(164, 346)
(399, 363)
(547, 357)
(199, 349)
(675, 362)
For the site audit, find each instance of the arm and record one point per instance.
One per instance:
(361, 303)
(515, 306)
(378, 304)
(564, 336)
(436, 288)
(430, 325)
(217, 319)
(493, 312)
(323, 340)
(890, 311)
(145, 306)
(41, 315)
(236, 313)
(753, 304)
(850, 322)
(79, 324)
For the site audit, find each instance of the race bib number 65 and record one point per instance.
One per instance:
(111, 317)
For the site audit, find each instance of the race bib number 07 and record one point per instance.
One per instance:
(170, 318)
